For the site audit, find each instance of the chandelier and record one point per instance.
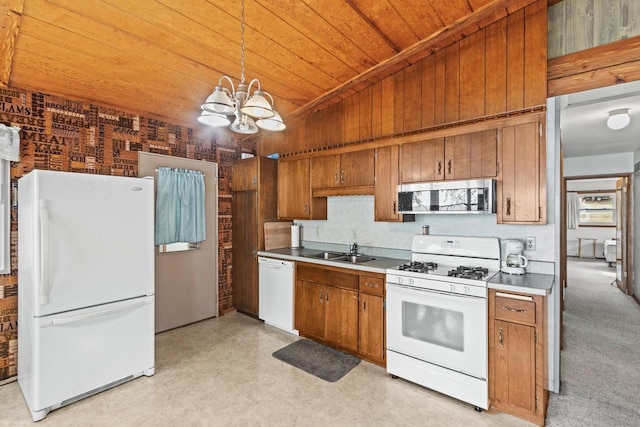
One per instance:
(251, 112)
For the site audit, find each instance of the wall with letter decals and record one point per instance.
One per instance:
(76, 136)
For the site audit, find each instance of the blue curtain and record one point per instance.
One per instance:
(180, 213)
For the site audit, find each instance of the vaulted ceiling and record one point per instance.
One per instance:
(162, 58)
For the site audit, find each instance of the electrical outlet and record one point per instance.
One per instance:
(530, 244)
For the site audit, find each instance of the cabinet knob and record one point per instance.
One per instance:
(439, 167)
(394, 208)
(321, 295)
(500, 341)
(508, 206)
(449, 165)
(342, 177)
(336, 177)
(364, 304)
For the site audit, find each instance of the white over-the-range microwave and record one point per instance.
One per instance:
(468, 196)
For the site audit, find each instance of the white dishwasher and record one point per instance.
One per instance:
(275, 290)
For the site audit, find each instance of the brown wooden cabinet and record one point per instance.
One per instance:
(309, 308)
(464, 156)
(294, 195)
(422, 161)
(353, 170)
(386, 186)
(327, 306)
(341, 308)
(517, 354)
(254, 186)
(341, 317)
(521, 185)
(372, 318)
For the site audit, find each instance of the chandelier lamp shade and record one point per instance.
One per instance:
(251, 111)
(618, 119)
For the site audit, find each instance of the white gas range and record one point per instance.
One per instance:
(437, 315)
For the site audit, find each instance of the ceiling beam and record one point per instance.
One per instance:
(483, 17)
(10, 25)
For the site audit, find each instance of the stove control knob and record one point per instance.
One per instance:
(467, 290)
(411, 281)
(399, 279)
(453, 288)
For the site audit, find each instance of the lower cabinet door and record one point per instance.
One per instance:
(515, 365)
(341, 318)
(310, 308)
(372, 326)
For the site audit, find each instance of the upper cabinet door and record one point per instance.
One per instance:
(457, 157)
(522, 185)
(294, 192)
(245, 174)
(325, 171)
(354, 169)
(357, 168)
(484, 154)
(386, 188)
(422, 161)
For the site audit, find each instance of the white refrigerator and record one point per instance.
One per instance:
(86, 285)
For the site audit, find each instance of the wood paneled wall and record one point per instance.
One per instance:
(576, 25)
(500, 68)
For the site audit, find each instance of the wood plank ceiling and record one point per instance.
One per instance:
(161, 58)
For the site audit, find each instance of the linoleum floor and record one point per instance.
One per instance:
(220, 372)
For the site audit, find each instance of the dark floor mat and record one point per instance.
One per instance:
(317, 359)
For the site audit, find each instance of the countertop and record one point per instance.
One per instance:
(378, 265)
(528, 283)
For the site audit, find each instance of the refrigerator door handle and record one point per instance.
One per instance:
(95, 314)
(44, 252)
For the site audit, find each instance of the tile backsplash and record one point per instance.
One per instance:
(350, 219)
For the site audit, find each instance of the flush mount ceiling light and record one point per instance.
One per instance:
(251, 112)
(618, 119)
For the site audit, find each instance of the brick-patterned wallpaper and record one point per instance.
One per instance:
(75, 136)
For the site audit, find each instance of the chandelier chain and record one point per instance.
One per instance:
(242, 43)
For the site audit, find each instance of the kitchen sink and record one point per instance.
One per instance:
(342, 257)
(355, 259)
(328, 255)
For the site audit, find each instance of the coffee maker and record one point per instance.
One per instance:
(512, 260)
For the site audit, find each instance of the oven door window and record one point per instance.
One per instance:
(434, 325)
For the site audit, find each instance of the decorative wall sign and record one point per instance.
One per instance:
(76, 136)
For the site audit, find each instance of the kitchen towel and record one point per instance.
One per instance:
(295, 236)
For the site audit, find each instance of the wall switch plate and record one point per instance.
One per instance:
(530, 244)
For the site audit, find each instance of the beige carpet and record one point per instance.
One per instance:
(600, 363)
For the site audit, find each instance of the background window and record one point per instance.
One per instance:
(598, 209)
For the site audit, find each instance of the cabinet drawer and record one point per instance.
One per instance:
(327, 276)
(519, 309)
(372, 285)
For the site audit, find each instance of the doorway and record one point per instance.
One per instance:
(598, 224)
(186, 276)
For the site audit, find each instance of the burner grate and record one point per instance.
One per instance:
(419, 267)
(464, 272)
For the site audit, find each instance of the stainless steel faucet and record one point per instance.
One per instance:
(353, 249)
